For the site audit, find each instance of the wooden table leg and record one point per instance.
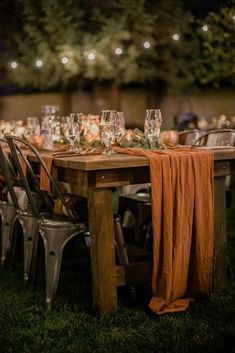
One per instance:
(221, 260)
(102, 250)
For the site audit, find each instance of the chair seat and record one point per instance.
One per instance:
(140, 197)
(60, 222)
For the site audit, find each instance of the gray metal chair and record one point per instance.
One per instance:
(220, 137)
(56, 231)
(8, 217)
(216, 138)
(17, 209)
(8, 214)
(188, 137)
(135, 205)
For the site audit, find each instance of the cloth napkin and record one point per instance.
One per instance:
(183, 221)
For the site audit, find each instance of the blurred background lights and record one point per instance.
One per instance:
(118, 51)
(39, 62)
(13, 65)
(91, 56)
(233, 17)
(175, 36)
(146, 44)
(205, 28)
(65, 60)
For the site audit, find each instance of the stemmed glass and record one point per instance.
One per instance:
(152, 125)
(107, 131)
(71, 130)
(119, 126)
(79, 121)
(32, 127)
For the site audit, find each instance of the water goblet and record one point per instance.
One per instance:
(32, 127)
(152, 125)
(107, 130)
(106, 137)
(71, 130)
(119, 126)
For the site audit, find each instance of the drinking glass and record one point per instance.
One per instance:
(107, 131)
(79, 121)
(71, 130)
(8, 130)
(19, 128)
(119, 126)
(32, 127)
(92, 128)
(2, 128)
(152, 125)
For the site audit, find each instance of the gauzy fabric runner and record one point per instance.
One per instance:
(183, 221)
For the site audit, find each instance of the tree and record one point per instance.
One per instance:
(215, 63)
(121, 42)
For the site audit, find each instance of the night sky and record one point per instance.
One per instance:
(201, 7)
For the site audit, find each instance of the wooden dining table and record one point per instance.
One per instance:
(95, 176)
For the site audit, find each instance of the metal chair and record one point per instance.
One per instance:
(21, 211)
(188, 137)
(220, 137)
(56, 231)
(8, 212)
(136, 205)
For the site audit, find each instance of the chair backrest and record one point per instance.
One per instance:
(220, 137)
(8, 173)
(188, 137)
(16, 145)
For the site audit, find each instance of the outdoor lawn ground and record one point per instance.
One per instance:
(26, 327)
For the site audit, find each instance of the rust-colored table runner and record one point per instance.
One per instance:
(183, 219)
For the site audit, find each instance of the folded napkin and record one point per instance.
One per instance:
(183, 221)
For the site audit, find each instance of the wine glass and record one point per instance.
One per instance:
(32, 127)
(119, 126)
(71, 130)
(152, 125)
(107, 131)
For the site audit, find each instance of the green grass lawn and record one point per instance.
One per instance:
(72, 326)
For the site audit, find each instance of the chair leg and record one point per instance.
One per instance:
(8, 214)
(30, 233)
(54, 242)
(120, 243)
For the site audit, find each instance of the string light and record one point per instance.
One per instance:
(91, 56)
(146, 45)
(39, 62)
(118, 51)
(14, 65)
(175, 37)
(65, 60)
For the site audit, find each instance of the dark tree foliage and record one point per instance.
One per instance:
(117, 41)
